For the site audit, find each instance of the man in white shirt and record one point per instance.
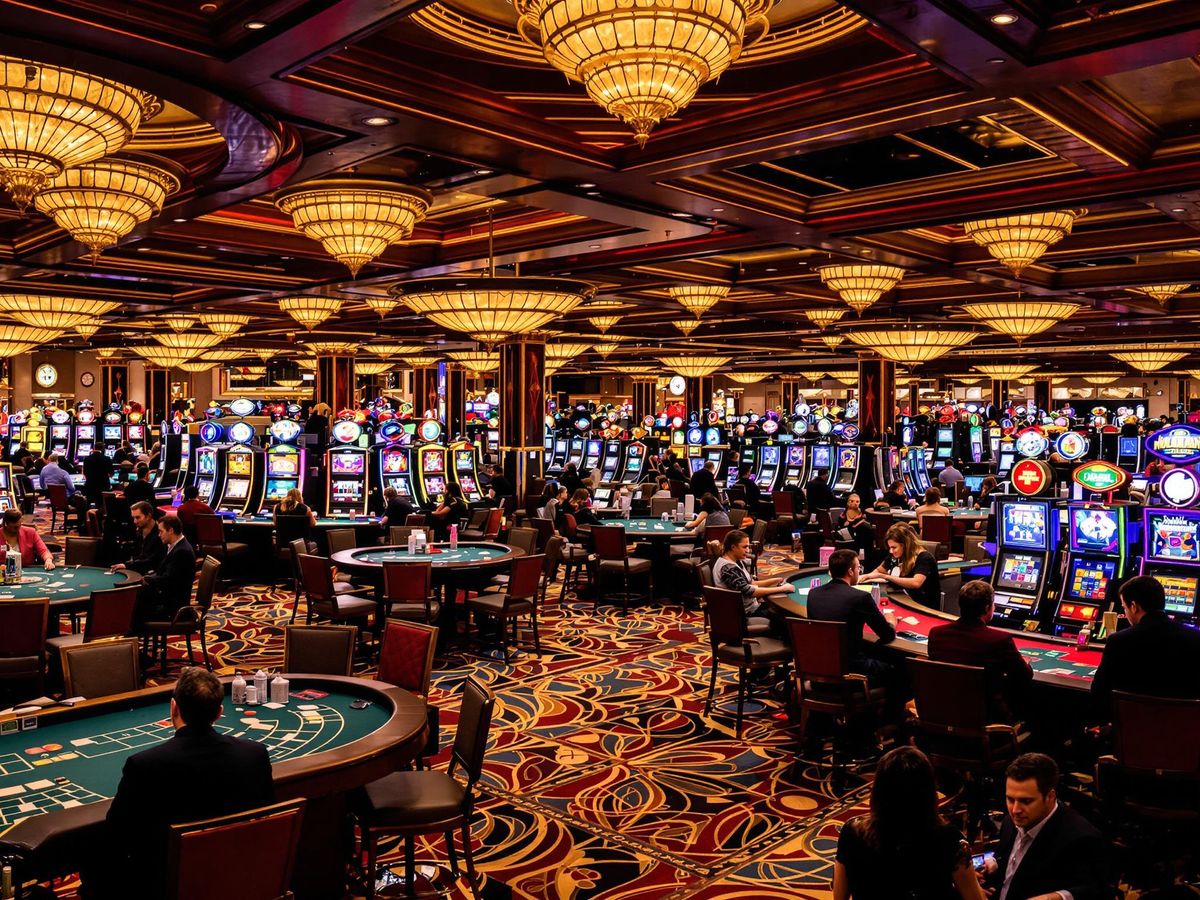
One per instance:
(950, 476)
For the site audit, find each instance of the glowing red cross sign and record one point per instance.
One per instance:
(1030, 477)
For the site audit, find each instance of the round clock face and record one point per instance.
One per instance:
(87, 379)
(46, 375)
(677, 386)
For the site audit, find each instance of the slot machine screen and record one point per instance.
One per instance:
(1088, 579)
(1127, 446)
(822, 456)
(395, 462)
(401, 485)
(560, 448)
(1181, 593)
(347, 491)
(795, 455)
(60, 432)
(434, 485)
(1024, 525)
(464, 460)
(1173, 536)
(945, 441)
(847, 457)
(239, 464)
(206, 464)
(86, 432)
(1094, 530)
(237, 489)
(974, 483)
(277, 489)
(135, 432)
(112, 432)
(467, 483)
(347, 463)
(770, 456)
(433, 461)
(280, 464)
(603, 496)
(1020, 572)
(205, 487)
(4, 479)
(5, 505)
(1139, 483)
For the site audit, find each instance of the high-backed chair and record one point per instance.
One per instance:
(339, 539)
(613, 561)
(408, 591)
(406, 660)
(398, 534)
(415, 519)
(60, 504)
(190, 620)
(519, 599)
(476, 523)
(210, 540)
(23, 641)
(939, 530)
(81, 551)
(109, 614)
(102, 668)
(319, 649)
(324, 601)
(660, 505)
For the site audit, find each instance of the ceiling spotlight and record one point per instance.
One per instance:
(179, 219)
(1178, 209)
(587, 185)
(255, 25)
(483, 171)
(681, 215)
(718, 209)
(379, 121)
(997, 60)
(1004, 18)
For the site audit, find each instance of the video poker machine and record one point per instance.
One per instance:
(633, 462)
(767, 466)
(393, 461)
(210, 462)
(465, 472)
(610, 462)
(62, 434)
(1095, 565)
(16, 422)
(1026, 541)
(241, 489)
(431, 463)
(695, 447)
(849, 457)
(716, 447)
(593, 453)
(943, 446)
(1006, 459)
(112, 430)
(575, 451)
(823, 459)
(347, 479)
(135, 433)
(1130, 454)
(284, 463)
(171, 454)
(85, 432)
(1172, 555)
(914, 470)
(795, 465)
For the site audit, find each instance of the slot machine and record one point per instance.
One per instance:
(284, 463)
(1171, 539)
(593, 453)
(7, 499)
(944, 447)
(822, 460)
(62, 434)
(695, 447)
(575, 451)
(994, 435)
(186, 441)
(795, 460)
(559, 457)
(465, 472)
(918, 471)
(392, 460)
(848, 459)
(112, 430)
(210, 462)
(633, 462)
(33, 433)
(610, 464)
(1026, 545)
(1095, 565)
(547, 450)
(16, 422)
(767, 469)
(430, 461)
(1006, 459)
(975, 438)
(241, 490)
(135, 433)
(85, 433)
(715, 450)
(169, 452)
(346, 475)
(1129, 454)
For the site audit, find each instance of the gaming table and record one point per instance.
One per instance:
(468, 555)
(67, 587)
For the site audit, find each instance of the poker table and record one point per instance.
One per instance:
(56, 780)
(1056, 662)
(323, 522)
(67, 587)
(967, 514)
(468, 555)
(650, 528)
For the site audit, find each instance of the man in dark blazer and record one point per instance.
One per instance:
(1156, 656)
(839, 601)
(169, 587)
(818, 496)
(1047, 851)
(970, 642)
(704, 481)
(197, 774)
(148, 546)
(97, 474)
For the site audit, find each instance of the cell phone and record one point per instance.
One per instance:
(981, 859)
(360, 704)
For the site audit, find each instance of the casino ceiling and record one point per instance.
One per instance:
(866, 132)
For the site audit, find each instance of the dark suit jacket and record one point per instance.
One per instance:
(148, 552)
(839, 602)
(703, 482)
(971, 643)
(170, 585)
(197, 774)
(139, 490)
(1156, 657)
(97, 472)
(819, 496)
(1067, 855)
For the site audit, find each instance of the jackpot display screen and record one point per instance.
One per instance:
(1024, 524)
(239, 464)
(433, 461)
(795, 455)
(1020, 572)
(1089, 578)
(1173, 536)
(347, 463)
(770, 456)
(822, 456)
(464, 460)
(112, 432)
(1095, 530)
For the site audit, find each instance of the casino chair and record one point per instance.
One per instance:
(408, 592)
(973, 550)
(411, 804)
(56, 494)
(93, 524)
(102, 668)
(824, 684)
(613, 560)
(574, 553)
(881, 521)
(955, 730)
(938, 530)
(552, 559)
(188, 620)
(519, 599)
(525, 540)
(296, 549)
(273, 833)
(732, 644)
(210, 540)
(758, 542)
(784, 503)
(475, 525)
(23, 641)
(81, 551)
(110, 614)
(406, 661)
(660, 505)
(398, 534)
(688, 567)
(545, 530)
(319, 649)
(415, 519)
(288, 529)
(489, 529)
(324, 601)
(811, 543)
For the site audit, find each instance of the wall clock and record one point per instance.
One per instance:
(677, 386)
(87, 379)
(46, 375)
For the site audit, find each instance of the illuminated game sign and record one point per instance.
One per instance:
(285, 430)
(1030, 477)
(1099, 476)
(1176, 443)
(1031, 443)
(824, 426)
(1173, 536)
(1071, 445)
(243, 407)
(1179, 487)
(211, 432)
(850, 432)
(430, 430)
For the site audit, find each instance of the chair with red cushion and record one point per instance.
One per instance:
(613, 561)
(23, 641)
(210, 540)
(939, 530)
(59, 503)
(408, 591)
(109, 614)
(520, 599)
(406, 660)
(319, 649)
(316, 574)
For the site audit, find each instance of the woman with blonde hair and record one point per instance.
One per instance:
(909, 567)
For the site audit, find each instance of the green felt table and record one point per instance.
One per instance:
(476, 554)
(55, 779)
(322, 522)
(65, 586)
(956, 512)
(652, 527)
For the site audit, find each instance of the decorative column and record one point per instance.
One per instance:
(158, 394)
(790, 392)
(914, 396)
(114, 382)
(876, 398)
(522, 412)
(456, 400)
(698, 395)
(425, 390)
(999, 393)
(335, 381)
(644, 397)
(1041, 393)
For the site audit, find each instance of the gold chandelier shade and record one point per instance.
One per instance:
(551, 367)
(106, 352)
(1147, 357)
(479, 361)
(223, 323)
(638, 371)
(699, 298)
(1162, 292)
(748, 377)
(1020, 319)
(811, 376)
(197, 367)
(16, 340)
(693, 366)
(386, 350)
(687, 326)
(491, 308)
(100, 202)
(912, 343)
(87, 330)
(845, 376)
(1192, 373)
(1019, 241)
(382, 305)
(289, 383)
(193, 341)
(567, 350)
(371, 367)
(310, 311)
(53, 118)
(641, 62)
(605, 348)
(224, 354)
(860, 284)
(44, 311)
(824, 316)
(331, 347)
(417, 361)
(1103, 378)
(1006, 371)
(306, 362)
(179, 321)
(164, 357)
(603, 323)
(354, 219)
(833, 340)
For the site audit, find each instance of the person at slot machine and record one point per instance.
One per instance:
(451, 511)
(894, 497)
(1156, 656)
(704, 481)
(97, 474)
(820, 498)
(987, 488)
(950, 477)
(499, 487)
(140, 488)
(396, 508)
(580, 506)
(570, 478)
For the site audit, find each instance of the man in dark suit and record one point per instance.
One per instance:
(97, 474)
(840, 601)
(1047, 851)
(819, 497)
(140, 488)
(1156, 656)
(148, 546)
(169, 587)
(969, 642)
(704, 481)
(197, 774)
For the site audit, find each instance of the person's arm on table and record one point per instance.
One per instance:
(883, 629)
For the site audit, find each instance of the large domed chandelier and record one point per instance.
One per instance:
(641, 60)
(1019, 241)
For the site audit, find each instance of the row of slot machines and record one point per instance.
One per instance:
(1058, 567)
(232, 472)
(849, 468)
(619, 461)
(74, 436)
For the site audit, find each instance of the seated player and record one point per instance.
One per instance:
(198, 774)
(192, 506)
(169, 587)
(148, 547)
(730, 572)
(451, 511)
(396, 509)
(818, 497)
(580, 508)
(663, 485)
(1157, 656)
(838, 600)
(140, 488)
(909, 567)
(26, 541)
(710, 513)
(970, 642)
(754, 497)
(54, 472)
(894, 497)
(498, 488)
(932, 505)
(855, 522)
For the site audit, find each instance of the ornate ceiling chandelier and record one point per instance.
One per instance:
(567, 350)
(332, 347)
(225, 354)
(197, 367)
(551, 367)
(354, 219)
(370, 367)
(1019, 241)
(382, 305)
(811, 376)
(1147, 357)
(478, 361)
(603, 323)
(417, 361)
(194, 342)
(44, 311)
(693, 366)
(636, 369)
(1006, 371)
(87, 330)
(309, 310)
(100, 202)
(107, 352)
(642, 62)
(1161, 292)
(748, 377)
(860, 284)
(163, 357)
(289, 384)
(1020, 319)
(605, 348)
(16, 340)
(845, 376)
(223, 323)
(53, 118)
(687, 326)
(825, 316)
(386, 350)
(699, 298)
(832, 340)
(912, 343)
(178, 321)
(1102, 378)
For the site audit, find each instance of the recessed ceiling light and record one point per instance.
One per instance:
(587, 185)
(681, 215)
(483, 171)
(255, 25)
(378, 121)
(179, 219)
(718, 209)
(593, 246)
(772, 269)
(1004, 18)
(1178, 209)
(997, 60)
